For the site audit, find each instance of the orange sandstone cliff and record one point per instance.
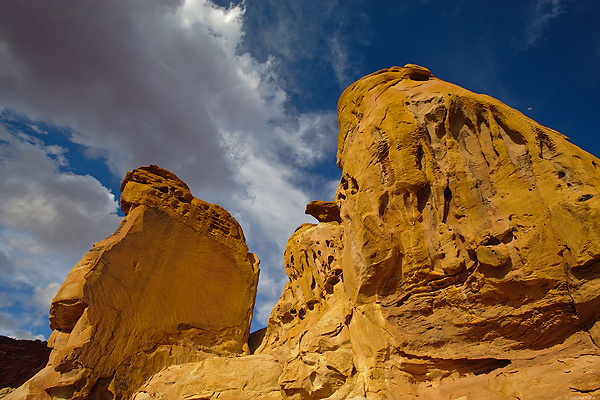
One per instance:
(460, 259)
(466, 261)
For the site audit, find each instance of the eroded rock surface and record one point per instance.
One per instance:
(308, 329)
(225, 378)
(175, 283)
(466, 260)
(459, 260)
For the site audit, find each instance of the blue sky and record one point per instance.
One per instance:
(238, 99)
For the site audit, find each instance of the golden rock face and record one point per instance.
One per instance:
(460, 259)
(174, 283)
(467, 250)
(455, 200)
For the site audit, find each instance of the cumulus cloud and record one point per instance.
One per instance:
(49, 219)
(42, 208)
(38, 200)
(144, 82)
(134, 80)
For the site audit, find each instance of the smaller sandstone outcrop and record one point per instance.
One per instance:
(174, 283)
(307, 330)
(323, 211)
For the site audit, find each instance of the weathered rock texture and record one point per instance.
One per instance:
(323, 211)
(459, 260)
(175, 283)
(20, 360)
(466, 263)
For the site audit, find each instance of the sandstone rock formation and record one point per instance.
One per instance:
(459, 260)
(465, 262)
(323, 211)
(174, 283)
(468, 254)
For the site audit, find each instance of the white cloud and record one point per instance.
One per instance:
(42, 206)
(48, 220)
(339, 59)
(156, 82)
(43, 295)
(543, 13)
(309, 138)
(311, 38)
(10, 327)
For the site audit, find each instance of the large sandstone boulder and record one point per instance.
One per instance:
(466, 263)
(175, 283)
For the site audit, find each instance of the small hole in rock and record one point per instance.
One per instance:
(508, 237)
(492, 242)
(447, 200)
(302, 313)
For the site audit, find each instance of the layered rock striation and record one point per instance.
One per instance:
(175, 283)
